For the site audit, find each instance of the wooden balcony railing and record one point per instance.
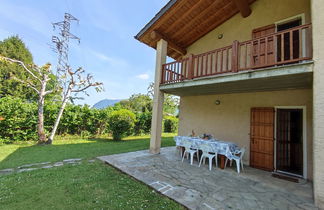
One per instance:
(284, 47)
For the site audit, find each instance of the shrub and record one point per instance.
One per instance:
(121, 123)
(18, 120)
(170, 124)
(143, 123)
(85, 134)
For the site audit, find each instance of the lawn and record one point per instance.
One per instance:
(14, 155)
(90, 185)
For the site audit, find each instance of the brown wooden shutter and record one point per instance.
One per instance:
(263, 51)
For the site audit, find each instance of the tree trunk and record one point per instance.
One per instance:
(58, 118)
(40, 123)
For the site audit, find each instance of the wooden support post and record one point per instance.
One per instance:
(235, 56)
(158, 99)
(191, 67)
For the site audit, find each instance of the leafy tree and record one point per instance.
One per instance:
(38, 78)
(138, 103)
(121, 123)
(171, 105)
(13, 47)
(171, 102)
(170, 124)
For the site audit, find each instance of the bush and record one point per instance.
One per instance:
(143, 123)
(121, 123)
(85, 134)
(18, 120)
(170, 124)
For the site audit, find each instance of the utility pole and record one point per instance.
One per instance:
(62, 44)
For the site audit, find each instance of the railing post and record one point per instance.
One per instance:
(190, 66)
(235, 56)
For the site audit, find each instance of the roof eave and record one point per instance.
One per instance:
(155, 18)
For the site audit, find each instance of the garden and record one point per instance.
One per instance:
(82, 133)
(88, 185)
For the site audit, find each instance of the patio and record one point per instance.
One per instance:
(199, 188)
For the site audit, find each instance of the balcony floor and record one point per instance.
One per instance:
(199, 188)
(293, 76)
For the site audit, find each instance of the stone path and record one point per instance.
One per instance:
(199, 188)
(35, 166)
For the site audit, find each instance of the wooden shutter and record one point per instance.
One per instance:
(262, 138)
(263, 51)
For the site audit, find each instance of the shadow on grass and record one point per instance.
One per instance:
(88, 148)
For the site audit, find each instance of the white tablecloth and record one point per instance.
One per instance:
(221, 147)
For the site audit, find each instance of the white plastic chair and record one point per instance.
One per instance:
(189, 151)
(206, 150)
(238, 157)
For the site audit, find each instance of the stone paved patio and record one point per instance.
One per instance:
(199, 188)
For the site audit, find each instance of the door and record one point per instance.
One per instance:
(289, 155)
(262, 138)
(263, 50)
(284, 44)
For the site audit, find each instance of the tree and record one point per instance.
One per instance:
(73, 82)
(171, 102)
(138, 103)
(37, 81)
(13, 47)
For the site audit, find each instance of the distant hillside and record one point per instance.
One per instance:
(105, 103)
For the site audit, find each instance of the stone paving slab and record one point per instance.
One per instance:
(199, 188)
(43, 165)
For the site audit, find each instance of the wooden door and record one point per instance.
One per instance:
(263, 50)
(262, 138)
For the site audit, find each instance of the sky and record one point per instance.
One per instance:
(107, 49)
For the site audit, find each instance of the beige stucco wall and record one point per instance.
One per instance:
(230, 121)
(264, 12)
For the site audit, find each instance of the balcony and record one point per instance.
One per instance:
(275, 51)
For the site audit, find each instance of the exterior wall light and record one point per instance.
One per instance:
(217, 102)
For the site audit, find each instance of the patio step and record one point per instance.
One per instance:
(286, 177)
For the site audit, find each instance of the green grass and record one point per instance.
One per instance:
(14, 155)
(85, 186)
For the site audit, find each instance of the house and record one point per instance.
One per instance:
(249, 72)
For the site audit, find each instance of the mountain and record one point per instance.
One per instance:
(105, 103)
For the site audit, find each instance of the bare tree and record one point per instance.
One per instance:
(74, 82)
(39, 78)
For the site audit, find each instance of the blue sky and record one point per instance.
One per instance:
(107, 49)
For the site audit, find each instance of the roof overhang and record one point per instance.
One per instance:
(182, 22)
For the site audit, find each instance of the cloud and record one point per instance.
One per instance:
(101, 56)
(112, 62)
(143, 76)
